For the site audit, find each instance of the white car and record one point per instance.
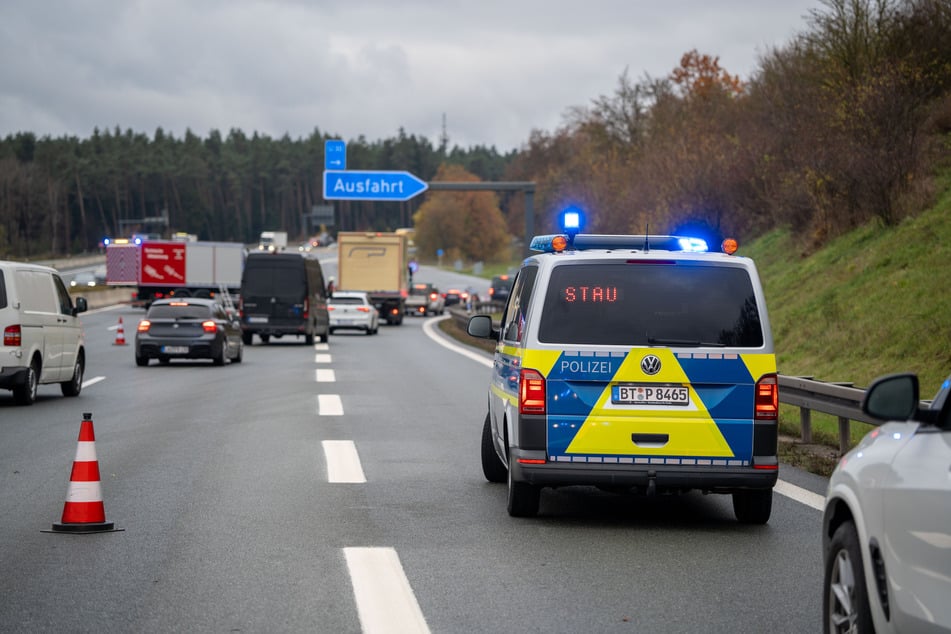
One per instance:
(43, 340)
(352, 310)
(886, 530)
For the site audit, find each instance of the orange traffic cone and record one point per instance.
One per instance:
(84, 511)
(120, 334)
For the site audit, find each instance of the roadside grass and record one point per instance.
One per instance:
(871, 302)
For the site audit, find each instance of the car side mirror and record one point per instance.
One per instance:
(892, 397)
(81, 306)
(481, 326)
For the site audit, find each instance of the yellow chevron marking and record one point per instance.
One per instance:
(687, 437)
(759, 364)
(541, 360)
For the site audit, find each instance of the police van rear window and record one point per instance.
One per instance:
(669, 304)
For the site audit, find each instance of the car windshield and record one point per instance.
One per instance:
(676, 304)
(173, 311)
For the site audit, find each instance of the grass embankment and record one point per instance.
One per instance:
(872, 302)
(869, 303)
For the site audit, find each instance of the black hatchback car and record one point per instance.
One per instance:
(189, 328)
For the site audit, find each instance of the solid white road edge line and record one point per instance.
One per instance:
(803, 496)
(429, 327)
(343, 462)
(329, 405)
(793, 492)
(93, 381)
(385, 600)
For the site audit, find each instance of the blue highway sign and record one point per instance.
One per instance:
(372, 185)
(335, 155)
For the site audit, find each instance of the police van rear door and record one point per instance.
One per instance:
(657, 361)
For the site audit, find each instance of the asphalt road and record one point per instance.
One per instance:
(338, 488)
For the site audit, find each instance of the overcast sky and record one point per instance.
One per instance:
(497, 69)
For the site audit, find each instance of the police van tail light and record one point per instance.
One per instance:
(766, 400)
(531, 392)
(12, 336)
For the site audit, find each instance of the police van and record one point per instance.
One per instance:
(641, 363)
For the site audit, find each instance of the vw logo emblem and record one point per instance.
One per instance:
(650, 364)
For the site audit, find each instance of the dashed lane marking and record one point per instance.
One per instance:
(343, 462)
(385, 600)
(325, 376)
(329, 405)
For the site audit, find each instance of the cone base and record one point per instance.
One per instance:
(85, 527)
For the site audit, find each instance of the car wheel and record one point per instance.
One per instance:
(265, 338)
(74, 386)
(238, 358)
(141, 361)
(753, 507)
(222, 355)
(26, 394)
(845, 605)
(247, 338)
(523, 497)
(492, 466)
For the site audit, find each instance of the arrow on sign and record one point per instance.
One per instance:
(373, 185)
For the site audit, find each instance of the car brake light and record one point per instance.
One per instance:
(144, 325)
(531, 392)
(209, 326)
(329, 308)
(363, 309)
(766, 399)
(306, 307)
(12, 335)
(433, 296)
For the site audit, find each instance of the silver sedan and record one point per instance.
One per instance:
(352, 310)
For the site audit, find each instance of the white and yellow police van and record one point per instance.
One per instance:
(640, 363)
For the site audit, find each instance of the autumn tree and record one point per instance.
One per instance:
(464, 224)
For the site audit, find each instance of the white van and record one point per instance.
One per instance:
(42, 336)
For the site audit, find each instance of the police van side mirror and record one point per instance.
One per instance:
(481, 326)
(81, 306)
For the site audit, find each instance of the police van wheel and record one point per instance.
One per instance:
(523, 497)
(492, 465)
(753, 507)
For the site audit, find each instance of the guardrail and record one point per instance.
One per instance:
(839, 399)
